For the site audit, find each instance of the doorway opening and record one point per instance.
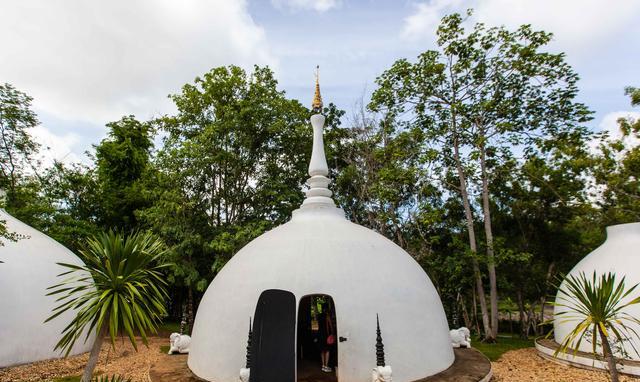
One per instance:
(317, 353)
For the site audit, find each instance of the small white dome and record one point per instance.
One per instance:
(620, 255)
(29, 268)
(320, 252)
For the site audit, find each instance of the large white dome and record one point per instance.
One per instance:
(29, 268)
(320, 252)
(619, 254)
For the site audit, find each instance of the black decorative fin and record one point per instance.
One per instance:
(379, 345)
(248, 364)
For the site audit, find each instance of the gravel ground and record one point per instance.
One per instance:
(123, 360)
(526, 365)
(514, 366)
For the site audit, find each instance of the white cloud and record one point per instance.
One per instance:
(314, 5)
(56, 147)
(424, 22)
(578, 25)
(96, 61)
(609, 123)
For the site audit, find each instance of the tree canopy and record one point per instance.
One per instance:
(476, 155)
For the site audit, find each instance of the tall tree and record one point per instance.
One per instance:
(233, 164)
(380, 176)
(484, 90)
(17, 147)
(121, 161)
(74, 196)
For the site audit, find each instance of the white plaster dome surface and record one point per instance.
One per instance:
(619, 254)
(28, 268)
(320, 252)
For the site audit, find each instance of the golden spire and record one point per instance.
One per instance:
(316, 105)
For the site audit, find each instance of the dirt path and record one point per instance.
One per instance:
(525, 365)
(514, 366)
(124, 361)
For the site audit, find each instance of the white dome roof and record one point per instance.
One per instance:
(29, 268)
(320, 252)
(620, 255)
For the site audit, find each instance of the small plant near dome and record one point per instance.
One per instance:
(596, 305)
(112, 378)
(124, 292)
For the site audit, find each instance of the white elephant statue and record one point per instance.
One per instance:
(460, 337)
(381, 374)
(244, 374)
(179, 343)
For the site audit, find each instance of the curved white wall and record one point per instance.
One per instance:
(29, 268)
(619, 254)
(320, 252)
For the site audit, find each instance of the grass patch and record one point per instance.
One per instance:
(504, 344)
(170, 327)
(164, 349)
(70, 378)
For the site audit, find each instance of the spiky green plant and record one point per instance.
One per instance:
(112, 378)
(120, 287)
(597, 307)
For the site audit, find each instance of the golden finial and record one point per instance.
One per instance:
(316, 105)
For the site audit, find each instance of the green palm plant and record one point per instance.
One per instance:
(120, 288)
(597, 307)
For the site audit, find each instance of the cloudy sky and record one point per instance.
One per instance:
(86, 63)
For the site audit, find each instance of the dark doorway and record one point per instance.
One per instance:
(316, 321)
(273, 343)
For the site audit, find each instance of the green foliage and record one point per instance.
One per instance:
(380, 177)
(70, 378)
(595, 305)
(615, 168)
(5, 234)
(121, 162)
(121, 286)
(112, 378)
(495, 350)
(634, 94)
(232, 165)
(17, 147)
(489, 103)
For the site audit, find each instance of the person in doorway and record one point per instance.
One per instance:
(326, 336)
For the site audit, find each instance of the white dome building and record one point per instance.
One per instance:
(28, 269)
(620, 255)
(319, 252)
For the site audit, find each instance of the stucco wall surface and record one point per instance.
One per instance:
(29, 268)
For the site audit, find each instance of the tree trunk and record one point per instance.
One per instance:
(190, 317)
(488, 230)
(95, 351)
(532, 320)
(465, 313)
(510, 322)
(524, 325)
(472, 241)
(475, 312)
(543, 299)
(608, 355)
